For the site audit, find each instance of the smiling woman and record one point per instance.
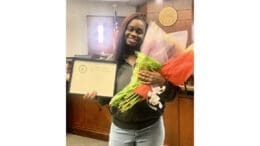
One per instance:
(135, 32)
(92, 116)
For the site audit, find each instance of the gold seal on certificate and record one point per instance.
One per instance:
(93, 75)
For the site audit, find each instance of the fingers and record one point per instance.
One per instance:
(90, 96)
(151, 77)
(146, 77)
(93, 95)
(86, 96)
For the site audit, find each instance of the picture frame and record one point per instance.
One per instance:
(90, 75)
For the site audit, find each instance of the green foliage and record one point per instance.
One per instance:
(126, 98)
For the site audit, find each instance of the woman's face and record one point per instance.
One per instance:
(134, 33)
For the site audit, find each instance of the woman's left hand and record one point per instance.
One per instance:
(151, 77)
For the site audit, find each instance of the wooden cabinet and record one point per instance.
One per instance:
(186, 121)
(179, 120)
(171, 123)
(88, 118)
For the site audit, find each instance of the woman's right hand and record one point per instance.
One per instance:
(90, 95)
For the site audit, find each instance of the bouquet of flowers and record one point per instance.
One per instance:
(158, 53)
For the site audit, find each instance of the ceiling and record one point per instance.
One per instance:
(130, 2)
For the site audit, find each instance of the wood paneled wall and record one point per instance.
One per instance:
(184, 10)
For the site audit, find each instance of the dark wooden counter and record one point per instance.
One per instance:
(88, 118)
(179, 120)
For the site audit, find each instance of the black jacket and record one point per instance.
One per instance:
(140, 115)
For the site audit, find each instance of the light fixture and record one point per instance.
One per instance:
(100, 33)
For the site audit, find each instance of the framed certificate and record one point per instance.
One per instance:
(93, 75)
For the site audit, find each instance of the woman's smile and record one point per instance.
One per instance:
(132, 41)
(134, 32)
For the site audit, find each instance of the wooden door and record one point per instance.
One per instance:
(171, 122)
(186, 121)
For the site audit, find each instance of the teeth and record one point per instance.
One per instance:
(133, 39)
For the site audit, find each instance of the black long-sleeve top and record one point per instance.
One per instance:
(142, 114)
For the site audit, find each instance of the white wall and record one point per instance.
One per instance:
(77, 10)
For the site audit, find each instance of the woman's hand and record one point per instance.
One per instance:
(151, 77)
(90, 95)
